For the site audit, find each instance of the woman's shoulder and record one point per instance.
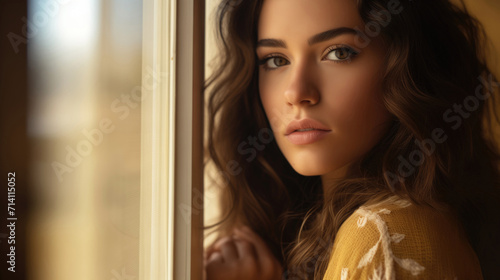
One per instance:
(396, 239)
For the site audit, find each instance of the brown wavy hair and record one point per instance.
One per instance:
(436, 60)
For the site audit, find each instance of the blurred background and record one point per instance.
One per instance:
(85, 64)
(71, 129)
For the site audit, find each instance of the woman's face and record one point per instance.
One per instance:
(321, 92)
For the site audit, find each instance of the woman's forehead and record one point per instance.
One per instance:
(298, 18)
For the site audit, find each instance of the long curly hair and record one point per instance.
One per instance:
(440, 149)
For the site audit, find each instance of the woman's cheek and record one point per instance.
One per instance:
(271, 96)
(343, 104)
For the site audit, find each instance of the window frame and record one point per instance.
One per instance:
(171, 218)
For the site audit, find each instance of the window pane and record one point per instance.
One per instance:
(85, 59)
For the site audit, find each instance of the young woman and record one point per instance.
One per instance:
(354, 140)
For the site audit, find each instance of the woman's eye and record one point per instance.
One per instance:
(275, 62)
(341, 54)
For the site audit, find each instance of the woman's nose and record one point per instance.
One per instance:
(302, 88)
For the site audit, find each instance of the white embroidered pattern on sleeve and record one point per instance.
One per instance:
(345, 273)
(386, 270)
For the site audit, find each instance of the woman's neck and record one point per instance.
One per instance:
(330, 180)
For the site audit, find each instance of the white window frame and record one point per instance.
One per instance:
(171, 220)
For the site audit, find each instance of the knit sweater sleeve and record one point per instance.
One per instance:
(399, 240)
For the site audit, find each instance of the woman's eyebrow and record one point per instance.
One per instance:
(273, 43)
(318, 38)
(327, 35)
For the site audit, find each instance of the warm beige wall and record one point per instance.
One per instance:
(488, 12)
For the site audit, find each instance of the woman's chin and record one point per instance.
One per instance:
(306, 170)
(324, 169)
(307, 173)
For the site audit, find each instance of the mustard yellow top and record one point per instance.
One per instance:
(399, 240)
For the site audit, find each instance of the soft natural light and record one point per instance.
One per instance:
(86, 151)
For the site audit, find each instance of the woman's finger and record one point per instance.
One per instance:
(228, 250)
(208, 251)
(265, 258)
(246, 250)
(218, 243)
(215, 247)
(215, 257)
(260, 246)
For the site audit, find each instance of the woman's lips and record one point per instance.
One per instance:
(306, 137)
(305, 131)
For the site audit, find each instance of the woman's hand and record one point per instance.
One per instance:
(240, 257)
